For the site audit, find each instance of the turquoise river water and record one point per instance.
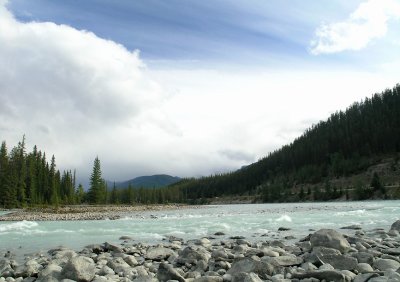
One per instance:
(252, 221)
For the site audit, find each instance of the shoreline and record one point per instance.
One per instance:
(77, 213)
(325, 254)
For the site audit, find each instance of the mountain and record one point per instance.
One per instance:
(153, 181)
(351, 144)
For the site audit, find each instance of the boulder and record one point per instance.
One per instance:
(386, 264)
(396, 225)
(352, 227)
(364, 268)
(79, 269)
(364, 277)
(327, 275)
(329, 238)
(289, 260)
(30, 268)
(263, 269)
(113, 247)
(167, 272)
(52, 272)
(192, 255)
(159, 253)
(246, 277)
(209, 279)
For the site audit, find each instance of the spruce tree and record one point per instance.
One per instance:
(96, 190)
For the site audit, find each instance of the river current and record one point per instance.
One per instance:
(256, 221)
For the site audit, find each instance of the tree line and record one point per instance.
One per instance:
(28, 179)
(346, 143)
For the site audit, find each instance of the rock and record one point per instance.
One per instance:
(209, 279)
(352, 227)
(192, 255)
(125, 238)
(79, 268)
(284, 229)
(364, 268)
(364, 257)
(263, 269)
(159, 253)
(396, 225)
(146, 278)
(118, 265)
(392, 251)
(30, 268)
(365, 277)
(327, 275)
(219, 254)
(113, 247)
(386, 264)
(246, 277)
(51, 271)
(340, 262)
(237, 237)
(329, 238)
(167, 272)
(284, 260)
(131, 260)
(105, 270)
(219, 233)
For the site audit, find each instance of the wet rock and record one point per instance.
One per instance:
(365, 277)
(79, 268)
(159, 253)
(113, 247)
(329, 238)
(209, 279)
(386, 264)
(30, 268)
(328, 275)
(167, 272)
(52, 272)
(219, 233)
(246, 277)
(364, 268)
(395, 226)
(192, 254)
(284, 229)
(341, 262)
(352, 227)
(263, 269)
(125, 238)
(288, 260)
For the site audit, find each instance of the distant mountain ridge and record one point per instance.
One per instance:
(152, 181)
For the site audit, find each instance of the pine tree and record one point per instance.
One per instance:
(3, 171)
(96, 190)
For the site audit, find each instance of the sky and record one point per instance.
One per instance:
(183, 87)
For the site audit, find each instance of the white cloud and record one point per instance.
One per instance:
(76, 95)
(368, 22)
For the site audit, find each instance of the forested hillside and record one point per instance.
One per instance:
(346, 143)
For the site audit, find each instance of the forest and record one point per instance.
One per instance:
(347, 143)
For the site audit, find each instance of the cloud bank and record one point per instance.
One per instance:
(368, 22)
(79, 96)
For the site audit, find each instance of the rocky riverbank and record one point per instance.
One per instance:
(85, 212)
(325, 255)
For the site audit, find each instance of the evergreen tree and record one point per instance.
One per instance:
(96, 191)
(3, 172)
(376, 183)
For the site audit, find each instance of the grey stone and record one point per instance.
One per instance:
(352, 227)
(364, 268)
(364, 257)
(51, 271)
(365, 277)
(142, 278)
(329, 238)
(79, 268)
(396, 225)
(167, 272)
(159, 253)
(328, 275)
(340, 262)
(209, 279)
(192, 255)
(288, 260)
(131, 260)
(113, 247)
(30, 268)
(246, 277)
(263, 269)
(392, 251)
(386, 264)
